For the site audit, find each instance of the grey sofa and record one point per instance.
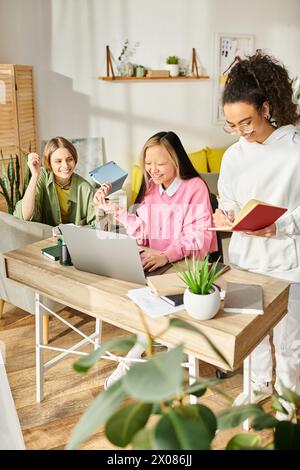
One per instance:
(15, 233)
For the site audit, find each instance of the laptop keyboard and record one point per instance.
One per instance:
(158, 271)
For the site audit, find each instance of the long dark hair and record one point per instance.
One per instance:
(171, 142)
(258, 79)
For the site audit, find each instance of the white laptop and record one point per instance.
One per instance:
(106, 253)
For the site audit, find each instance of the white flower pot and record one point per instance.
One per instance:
(202, 307)
(173, 69)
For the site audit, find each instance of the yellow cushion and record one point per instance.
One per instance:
(199, 160)
(214, 159)
(136, 182)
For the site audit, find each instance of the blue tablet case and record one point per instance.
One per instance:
(109, 173)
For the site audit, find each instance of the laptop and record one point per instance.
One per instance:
(108, 254)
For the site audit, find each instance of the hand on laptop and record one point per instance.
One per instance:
(153, 259)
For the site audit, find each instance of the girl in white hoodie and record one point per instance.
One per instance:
(265, 164)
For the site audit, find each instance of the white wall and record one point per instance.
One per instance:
(65, 41)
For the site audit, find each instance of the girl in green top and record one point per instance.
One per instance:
(55, 193)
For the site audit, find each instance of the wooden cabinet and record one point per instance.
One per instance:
(17, 112)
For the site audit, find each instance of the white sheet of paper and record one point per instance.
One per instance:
(152, 305)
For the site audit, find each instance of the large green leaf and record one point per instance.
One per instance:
(199, 387)
(244, 441)
(125, 423)
(98, 413)
(143, 440)
(289, 395)
(157, 379)
(264, 421)
(120, 345)
(232, 417)
(176, 322)
(181, 429)
(287, 436)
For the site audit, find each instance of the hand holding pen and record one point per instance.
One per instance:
(223, 217)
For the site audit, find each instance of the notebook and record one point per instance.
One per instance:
(52, 252)
(243, 298)
(172, 284)
(109, 173)
(255, 215)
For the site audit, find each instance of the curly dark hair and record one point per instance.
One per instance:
(260, 78)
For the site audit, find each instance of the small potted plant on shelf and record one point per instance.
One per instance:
(173, 65)
(201, 298)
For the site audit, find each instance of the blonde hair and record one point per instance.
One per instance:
(58, 143)
(163, 142)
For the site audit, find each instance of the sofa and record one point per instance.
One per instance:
(15, 233)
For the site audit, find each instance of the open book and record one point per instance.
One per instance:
(109, 173)
(255, 215)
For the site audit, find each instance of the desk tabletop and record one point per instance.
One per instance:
(235, 335)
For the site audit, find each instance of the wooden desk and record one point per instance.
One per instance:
(103, 298)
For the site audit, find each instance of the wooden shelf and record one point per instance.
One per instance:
(119, 79)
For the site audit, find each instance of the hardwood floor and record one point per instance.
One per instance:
(47, 425)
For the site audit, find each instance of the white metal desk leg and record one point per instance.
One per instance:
(247, 385)
(193, 375)
(38, 350)
(98, 331)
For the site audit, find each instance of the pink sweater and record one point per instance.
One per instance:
(174, 224)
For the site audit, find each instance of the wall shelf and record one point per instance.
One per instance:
(114, 78)
(119, 79)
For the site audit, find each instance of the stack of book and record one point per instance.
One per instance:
(158, 73)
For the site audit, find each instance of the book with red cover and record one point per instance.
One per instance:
(255, 215)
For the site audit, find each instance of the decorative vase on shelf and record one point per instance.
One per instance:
(121, 68)
(139, 71)
(173, 69)
(173, 65)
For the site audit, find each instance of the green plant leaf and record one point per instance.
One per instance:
(178, 323)
(289, 395)
(198, 275)
(11, 178)
(264, 421)
(199, 387)
(287, 436)
(232, 417)
(181, 429)
(18, 181)
(143, 440)
(27, 176)
(120, 345)
(98, 413)
(277, 405)
(157, 379)
(244, 441)
(125, 423)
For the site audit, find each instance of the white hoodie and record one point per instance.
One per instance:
(269, 172)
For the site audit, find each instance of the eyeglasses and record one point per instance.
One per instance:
(242, 128)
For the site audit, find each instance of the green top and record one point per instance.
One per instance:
(47, 209)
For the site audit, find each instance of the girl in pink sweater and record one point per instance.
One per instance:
(174, 210)
(174, 207)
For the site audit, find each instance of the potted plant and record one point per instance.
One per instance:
(201, 298)
(173, 65)
(10, 181)
(148, 390)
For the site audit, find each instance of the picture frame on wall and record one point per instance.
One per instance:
(227, 48)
